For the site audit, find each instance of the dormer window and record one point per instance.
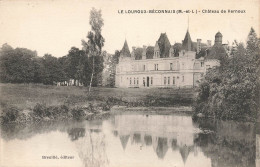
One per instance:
(156, 54)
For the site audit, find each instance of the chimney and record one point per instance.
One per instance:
(133, 53)
(198, 45)
(209, 43)
(144, 52)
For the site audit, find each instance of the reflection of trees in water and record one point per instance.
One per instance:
(230, 143)
(76, 133)
(92, 149)
(26, 131)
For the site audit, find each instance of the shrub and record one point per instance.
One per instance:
(10, 114)
(40, 110)
(78, 113)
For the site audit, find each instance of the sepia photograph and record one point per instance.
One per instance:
(129, 83)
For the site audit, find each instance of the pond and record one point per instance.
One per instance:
(132, 140)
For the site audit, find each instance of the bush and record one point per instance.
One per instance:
(10, 114)
(40, 110)
(78, 113)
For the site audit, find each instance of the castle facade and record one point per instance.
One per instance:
(165, 65)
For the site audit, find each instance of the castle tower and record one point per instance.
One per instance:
(218, 38)
(125, 52)
(187, 42)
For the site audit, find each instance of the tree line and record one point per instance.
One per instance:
(21, 65)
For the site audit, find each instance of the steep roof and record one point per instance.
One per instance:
(149, 52)
(177, 48)
(216, 52)
(138, 53)
(187, 43)
(125, 50)
(164, 45)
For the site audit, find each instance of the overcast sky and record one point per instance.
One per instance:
(54, 26)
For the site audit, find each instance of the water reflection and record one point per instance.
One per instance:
(138, 140)
(231, 144)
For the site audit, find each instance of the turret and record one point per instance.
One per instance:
(218, 38)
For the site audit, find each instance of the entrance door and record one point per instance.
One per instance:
(148, 83)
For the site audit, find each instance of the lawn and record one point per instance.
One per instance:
(26, 96)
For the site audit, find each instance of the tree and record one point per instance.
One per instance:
(17, 65)
(231, 91)
(112, 62)
(95, 41)
(51, 70)
(72, 63)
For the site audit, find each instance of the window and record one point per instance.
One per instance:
(201, 64)
(151, 80)
(156, 67)
(137, 81)
(144, 81)
(144, 68)
(173, 80)
(134, 81)
(171, 66)
(169, 81)
(182, 78)
(156, 54)
(130, 81)
(164, 80)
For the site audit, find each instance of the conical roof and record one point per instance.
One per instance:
(187, 43)
(125, 52)
(164, 45)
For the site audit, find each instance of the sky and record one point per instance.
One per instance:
(54, 26)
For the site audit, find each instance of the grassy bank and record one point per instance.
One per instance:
(41, 101)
